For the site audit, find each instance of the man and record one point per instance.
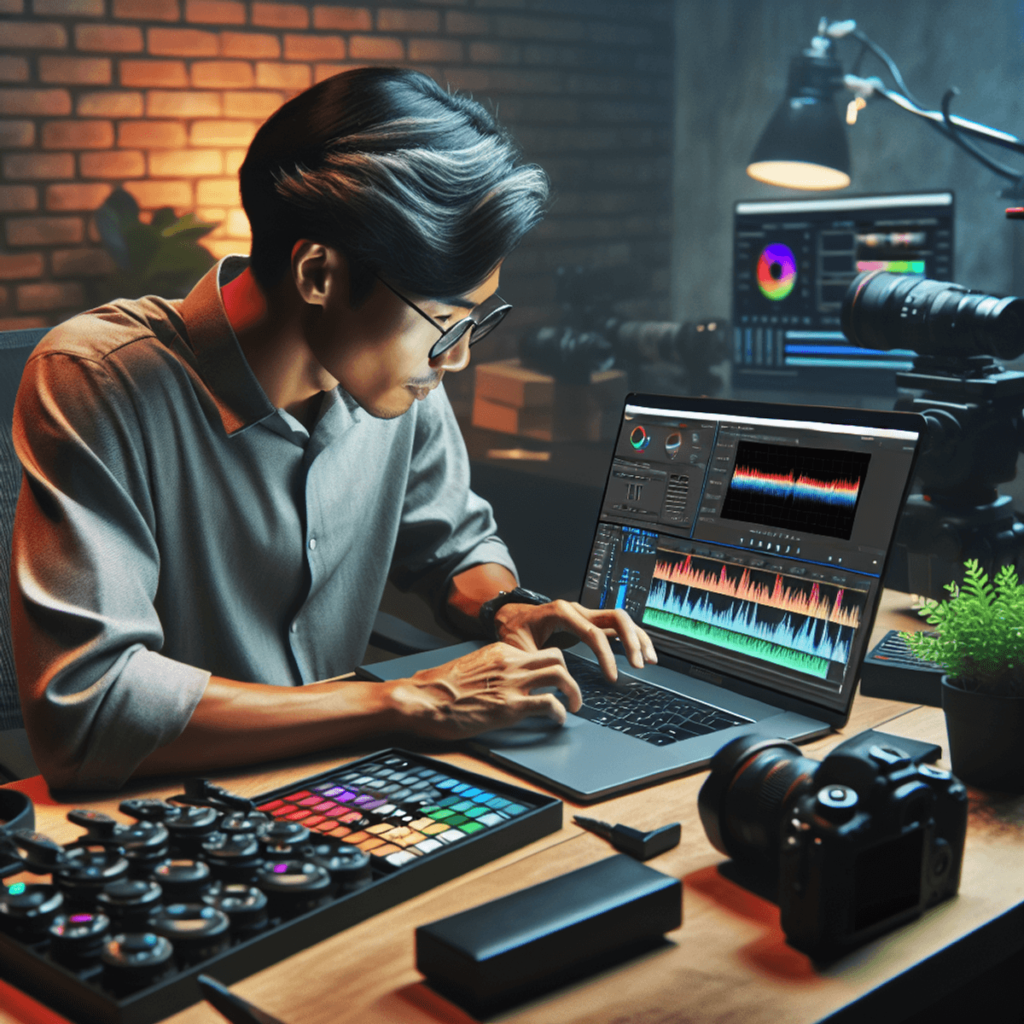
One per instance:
(217, 488)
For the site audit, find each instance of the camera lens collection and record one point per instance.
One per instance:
(133, 911)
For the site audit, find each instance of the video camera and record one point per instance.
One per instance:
(973, 408)
(857, 844)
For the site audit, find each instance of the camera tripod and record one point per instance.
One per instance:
(973, 408)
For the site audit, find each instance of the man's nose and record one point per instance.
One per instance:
(455, 358)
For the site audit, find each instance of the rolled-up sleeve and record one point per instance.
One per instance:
(446, 527)
(97, 695)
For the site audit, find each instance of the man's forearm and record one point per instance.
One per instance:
(239, 723)
(470, 589)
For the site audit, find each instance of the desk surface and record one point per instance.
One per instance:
(729, 961)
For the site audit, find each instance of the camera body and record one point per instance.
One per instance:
(876, 841)
(859, 843)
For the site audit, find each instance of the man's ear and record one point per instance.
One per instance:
(320, 273)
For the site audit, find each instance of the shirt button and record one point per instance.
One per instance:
(295, 627)
(312, 543)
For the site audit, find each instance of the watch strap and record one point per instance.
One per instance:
(518, 595)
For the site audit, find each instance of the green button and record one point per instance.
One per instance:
(470, 827)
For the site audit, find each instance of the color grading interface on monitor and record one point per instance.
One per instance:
(750, 545)
(793, 261)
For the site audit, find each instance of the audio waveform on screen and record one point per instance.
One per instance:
(806, 488)
(805, 643)
(738, 644)
(790, 594)
(816, 490)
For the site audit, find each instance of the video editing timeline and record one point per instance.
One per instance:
(793, 261)
(766, 570)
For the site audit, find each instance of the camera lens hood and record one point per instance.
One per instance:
(724, 765)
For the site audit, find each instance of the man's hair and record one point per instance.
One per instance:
(404, 178)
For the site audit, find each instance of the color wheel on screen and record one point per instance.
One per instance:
(776, 271)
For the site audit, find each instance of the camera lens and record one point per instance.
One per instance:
(932, 318)
(742, 803)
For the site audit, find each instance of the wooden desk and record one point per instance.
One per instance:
(728, 962)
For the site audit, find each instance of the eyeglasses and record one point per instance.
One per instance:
(481, 320)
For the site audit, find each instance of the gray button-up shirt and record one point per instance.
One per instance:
(174, 524)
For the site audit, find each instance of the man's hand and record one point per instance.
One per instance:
(487, 689)
(530, 627)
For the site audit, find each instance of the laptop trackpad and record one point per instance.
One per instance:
(532, 731)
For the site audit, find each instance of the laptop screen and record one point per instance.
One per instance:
(750, 539)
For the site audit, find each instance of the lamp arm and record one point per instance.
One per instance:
(954, 134)
(871, 45)
(950, 125)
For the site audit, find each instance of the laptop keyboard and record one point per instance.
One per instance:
(641, 709)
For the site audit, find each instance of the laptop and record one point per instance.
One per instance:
(750, 541)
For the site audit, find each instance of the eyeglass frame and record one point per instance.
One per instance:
(479, 314)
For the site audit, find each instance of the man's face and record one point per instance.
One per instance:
(379, 352)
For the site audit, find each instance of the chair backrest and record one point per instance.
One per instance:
(15, 347)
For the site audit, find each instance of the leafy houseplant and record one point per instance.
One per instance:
(979, 641)
(163, 257)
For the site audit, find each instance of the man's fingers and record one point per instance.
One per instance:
(541, 704)
(635, 641)
(556, 674)
(525, 671)
(590, 630)
(629, 637)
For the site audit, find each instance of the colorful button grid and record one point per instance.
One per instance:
(395, 809)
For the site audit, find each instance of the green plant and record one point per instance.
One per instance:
(979, 638)
(163, 257)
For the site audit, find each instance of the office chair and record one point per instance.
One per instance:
(15, 756)
(390, 633)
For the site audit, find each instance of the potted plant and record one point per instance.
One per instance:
(161, 257)
(979, 641)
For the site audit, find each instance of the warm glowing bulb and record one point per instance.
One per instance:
(797, 174)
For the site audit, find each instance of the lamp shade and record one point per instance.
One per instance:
(804, 145)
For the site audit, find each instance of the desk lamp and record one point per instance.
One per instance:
(804, 145)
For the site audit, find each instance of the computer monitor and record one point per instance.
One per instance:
(793, 261)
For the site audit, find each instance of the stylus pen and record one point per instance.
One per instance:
(235, 1008)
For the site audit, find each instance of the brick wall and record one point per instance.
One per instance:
(163, 96)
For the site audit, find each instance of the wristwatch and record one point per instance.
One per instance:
(518, 596)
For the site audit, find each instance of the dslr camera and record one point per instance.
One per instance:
(856, 844)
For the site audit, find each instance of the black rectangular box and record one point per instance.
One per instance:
(537, 938)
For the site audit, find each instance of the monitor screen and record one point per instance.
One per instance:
(751, 539)
(793, 261)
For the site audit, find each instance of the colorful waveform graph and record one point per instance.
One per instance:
(816, 490)
(788, 485)
(892, 266)
(785, 640)
(772, 589)
(776, 271)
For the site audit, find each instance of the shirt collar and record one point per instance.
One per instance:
(233, 386)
